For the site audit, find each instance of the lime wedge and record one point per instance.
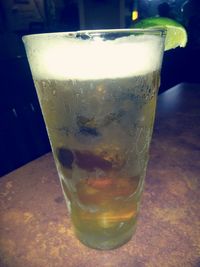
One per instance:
(176, 34)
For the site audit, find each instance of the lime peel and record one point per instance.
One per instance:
(176, 34)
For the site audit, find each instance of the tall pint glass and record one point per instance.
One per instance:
(97, 91)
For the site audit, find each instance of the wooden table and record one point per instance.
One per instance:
(35, 229)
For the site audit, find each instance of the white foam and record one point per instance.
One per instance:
(58, 57)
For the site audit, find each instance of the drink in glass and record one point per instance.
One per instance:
(97, 91)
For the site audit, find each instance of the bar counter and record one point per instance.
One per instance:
(35, 228)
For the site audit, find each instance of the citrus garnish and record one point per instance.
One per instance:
(176, 34)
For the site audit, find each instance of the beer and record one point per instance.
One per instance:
(100, 132)
(99, 121)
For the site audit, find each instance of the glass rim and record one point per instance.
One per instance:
(92, 33)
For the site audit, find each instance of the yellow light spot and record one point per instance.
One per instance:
(171, 215)
(134, 14)
(100, 89)
(62, 229)
(54, 251)
(108, 218)
(27, 217)
(8, 185)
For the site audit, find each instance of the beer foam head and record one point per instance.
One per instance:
(61, 57)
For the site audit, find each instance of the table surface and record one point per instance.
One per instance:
(35, 229)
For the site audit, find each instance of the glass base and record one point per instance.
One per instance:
(105, 240)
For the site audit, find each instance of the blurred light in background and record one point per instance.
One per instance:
(134, 14)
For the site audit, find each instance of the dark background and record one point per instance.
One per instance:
(22, 131)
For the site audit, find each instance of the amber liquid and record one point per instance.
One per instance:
(113, 215)
(100, 132)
